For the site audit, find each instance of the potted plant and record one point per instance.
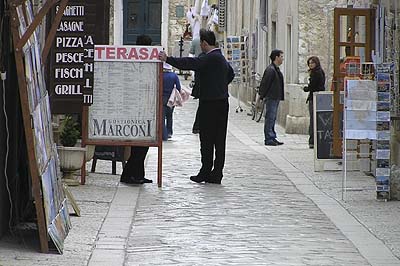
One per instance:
(71, 157)
(69, 133)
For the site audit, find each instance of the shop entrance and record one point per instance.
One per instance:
(354, 39)
(142, 17)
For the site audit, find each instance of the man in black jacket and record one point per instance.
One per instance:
(215, 75)
(271, 90)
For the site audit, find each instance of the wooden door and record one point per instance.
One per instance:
(142, 17)
(354, 36)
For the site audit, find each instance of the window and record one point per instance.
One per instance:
(289, 58)
(273, 35)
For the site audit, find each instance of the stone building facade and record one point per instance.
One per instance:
(299, 28)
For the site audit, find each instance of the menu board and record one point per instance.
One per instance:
(323, 130)
(126, 99)
(71, 75)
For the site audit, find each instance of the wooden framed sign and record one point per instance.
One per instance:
(127, 98)
(52, 214)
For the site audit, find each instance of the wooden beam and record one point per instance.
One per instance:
(35, 23)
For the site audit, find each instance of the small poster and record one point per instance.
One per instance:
(361, 108)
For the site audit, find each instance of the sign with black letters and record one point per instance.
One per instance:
(126, 94)
(71, 65)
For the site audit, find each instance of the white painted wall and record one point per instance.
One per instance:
(118, 22)
(285, 12)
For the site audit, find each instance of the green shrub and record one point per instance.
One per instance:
(69, 133)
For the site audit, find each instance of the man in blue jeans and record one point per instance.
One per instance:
(272, 92)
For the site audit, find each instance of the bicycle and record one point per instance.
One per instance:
(257, 105)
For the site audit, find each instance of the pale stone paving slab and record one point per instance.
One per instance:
(93, 199)
(256, 217)
(380, 218)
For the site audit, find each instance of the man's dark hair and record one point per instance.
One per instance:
(208, 36)
(275, 53)
(143, 40)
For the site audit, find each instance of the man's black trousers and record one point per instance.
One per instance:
(213, 116)
(135, 165)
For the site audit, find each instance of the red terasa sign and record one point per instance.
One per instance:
(127, 53)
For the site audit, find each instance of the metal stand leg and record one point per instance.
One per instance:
(238, 108)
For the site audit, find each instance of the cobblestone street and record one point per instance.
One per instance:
(271, 209)
(256, 217)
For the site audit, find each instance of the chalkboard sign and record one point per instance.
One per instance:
(323, 121)
(71, 60)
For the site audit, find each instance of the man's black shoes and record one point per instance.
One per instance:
(214, 181)
(135, 181)
(145, 180)
(197, 178)
(131, 180)
(277, 142)
(200, 179)
(273, 142)
(270, 143)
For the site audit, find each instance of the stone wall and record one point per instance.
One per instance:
(316, 35)
(293, 111)
(176, 26)
(112, 22)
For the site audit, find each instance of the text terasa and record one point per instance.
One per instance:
(126, 53)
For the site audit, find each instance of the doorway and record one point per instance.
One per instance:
(142, 17)
(354, 39)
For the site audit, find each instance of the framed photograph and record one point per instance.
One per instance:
(383, 154)
(382, 163)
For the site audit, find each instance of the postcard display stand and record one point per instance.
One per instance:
(367, 117)
(51, 206)
(382, 165)
(127, 93)
(236, 47)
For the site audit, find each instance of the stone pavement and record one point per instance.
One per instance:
(271, 209)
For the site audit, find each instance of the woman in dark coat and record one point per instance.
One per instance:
(316, 83)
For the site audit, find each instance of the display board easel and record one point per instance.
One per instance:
(51, 206)
(127, 99)
(324, 158)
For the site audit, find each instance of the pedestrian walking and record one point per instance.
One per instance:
(316, 82)
(215, 75)
(272, 92)
(170, 81)
(133, 172)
